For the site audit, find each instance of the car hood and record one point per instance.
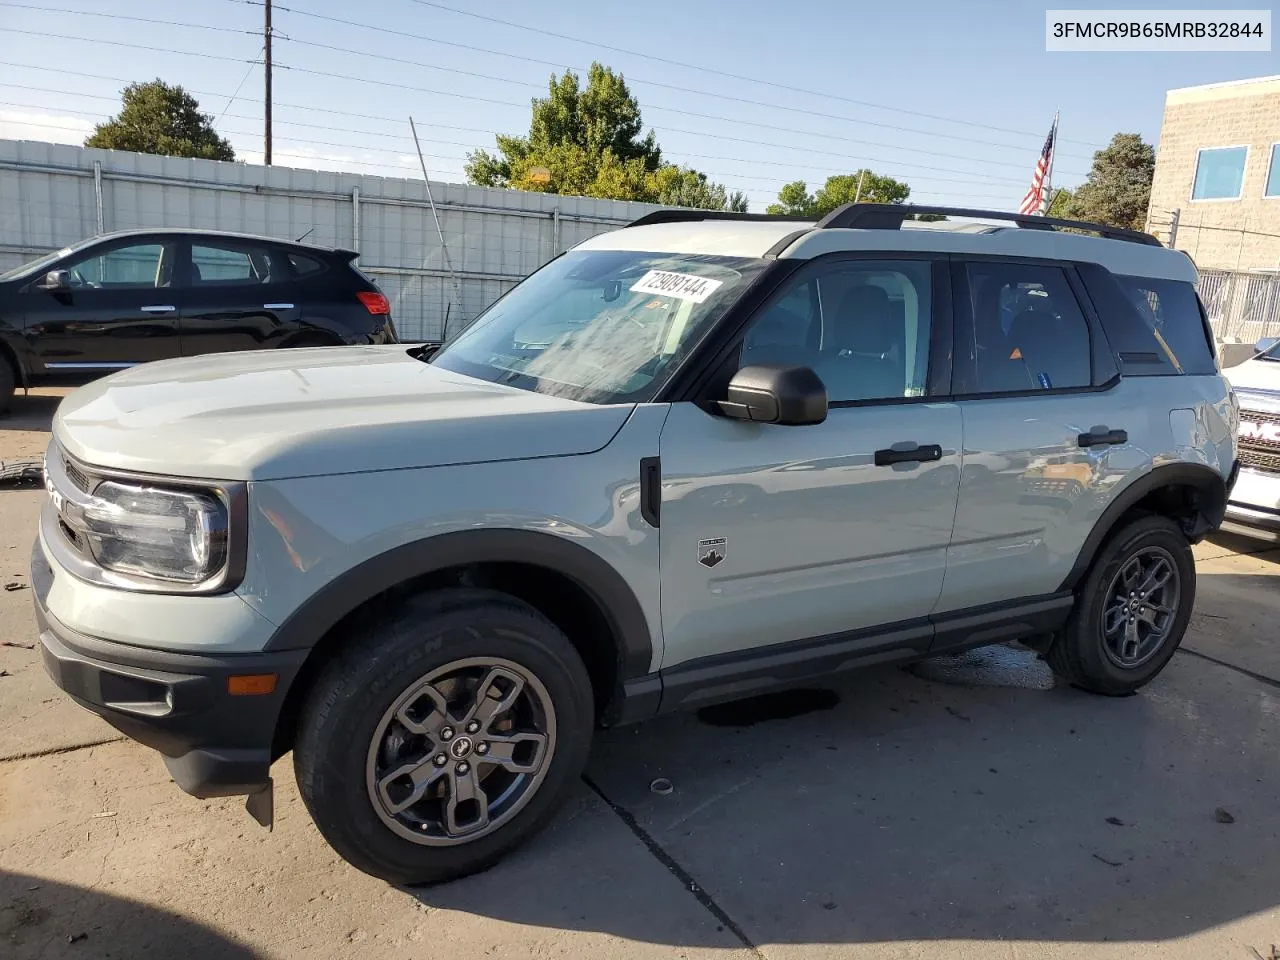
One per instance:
(1255, 375)
(308, 412)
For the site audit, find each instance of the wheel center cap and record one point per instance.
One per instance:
(460, 747)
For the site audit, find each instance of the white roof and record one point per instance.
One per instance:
(753, 238)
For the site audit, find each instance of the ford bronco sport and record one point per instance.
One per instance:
(687, 461)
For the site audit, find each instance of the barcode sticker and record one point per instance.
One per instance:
(683, 286)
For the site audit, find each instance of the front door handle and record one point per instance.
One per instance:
(277, 306)
(159, 308)
(1102, 437)
(915, 454)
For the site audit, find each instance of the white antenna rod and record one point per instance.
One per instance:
(444, 247)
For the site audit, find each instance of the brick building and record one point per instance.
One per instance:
(1218, 167)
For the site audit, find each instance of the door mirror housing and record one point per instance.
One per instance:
(55, 280)
(776, 393)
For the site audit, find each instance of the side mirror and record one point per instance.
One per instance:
(55, 280)
(776, 393)
(1267, 345)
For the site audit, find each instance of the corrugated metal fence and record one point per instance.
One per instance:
(52, 195)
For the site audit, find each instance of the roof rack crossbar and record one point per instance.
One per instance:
(890, 216)
(690, 215)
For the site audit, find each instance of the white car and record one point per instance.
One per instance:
(1254, 507)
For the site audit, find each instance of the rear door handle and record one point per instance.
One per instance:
(159, 308)
(277, 306)
(915, 454)
(1102, 437)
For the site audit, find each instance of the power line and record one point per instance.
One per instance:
(473, 97)
(722, 73)
(402, 34)
(976, 180)
(775, 181)
(120, 16)
(384, 57)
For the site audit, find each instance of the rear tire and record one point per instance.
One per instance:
(443, 736)
(1131, 611)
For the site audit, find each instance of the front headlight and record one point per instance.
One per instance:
(155, 533)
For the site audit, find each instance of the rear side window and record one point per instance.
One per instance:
(1172, 318)
(1028, 332)
(215, 264)
(304, 265)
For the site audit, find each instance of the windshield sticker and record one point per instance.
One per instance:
(684, 286)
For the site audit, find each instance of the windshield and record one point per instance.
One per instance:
(605, 326)
(35, 265)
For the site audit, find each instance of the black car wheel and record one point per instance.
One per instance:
(443, 736)
(1131, 611)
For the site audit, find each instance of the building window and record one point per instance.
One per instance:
(1219, 173)
(1273, 176)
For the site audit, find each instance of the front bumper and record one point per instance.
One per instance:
(214, 743)
(1253, 507)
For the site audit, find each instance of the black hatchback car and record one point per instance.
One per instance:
(126, 298)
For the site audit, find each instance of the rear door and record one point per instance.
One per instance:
(122, 308)
(238, 295)
(1044, 431)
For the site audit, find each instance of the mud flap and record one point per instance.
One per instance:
(261, 805)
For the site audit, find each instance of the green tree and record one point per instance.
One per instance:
(1118, 189)
(157, 118)
(1060, 205)
(587, 142)
(794, 199)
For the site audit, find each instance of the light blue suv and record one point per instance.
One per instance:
(691, 460)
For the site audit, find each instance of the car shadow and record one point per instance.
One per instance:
(33, 411)
(41, 918)
(969, 798)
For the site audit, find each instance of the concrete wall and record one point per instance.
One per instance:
(52, 195)
(1220, 234)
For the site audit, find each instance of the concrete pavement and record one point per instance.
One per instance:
(961, 808)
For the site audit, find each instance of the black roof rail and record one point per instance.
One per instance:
(890, 216)
(689, 215)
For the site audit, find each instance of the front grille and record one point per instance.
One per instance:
(1266, 460)
(75, 475)
(1257, 452)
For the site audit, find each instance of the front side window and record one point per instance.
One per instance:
(1272, 188)
(135, 266)
(604, 326)
(1219, 173)
(862, 325)
(1028, 332)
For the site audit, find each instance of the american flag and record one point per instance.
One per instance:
(1034, 201)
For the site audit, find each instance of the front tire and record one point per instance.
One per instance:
(443, 736)
(1131, 612)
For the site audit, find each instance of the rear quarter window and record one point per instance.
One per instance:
(1171, 312)
(1155, 327)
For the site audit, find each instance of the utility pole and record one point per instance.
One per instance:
(266, 104)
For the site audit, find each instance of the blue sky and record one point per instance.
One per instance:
(954, 98)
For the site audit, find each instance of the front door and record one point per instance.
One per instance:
(772, 534)
(121, 308)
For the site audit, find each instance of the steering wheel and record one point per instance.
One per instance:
(77, 279)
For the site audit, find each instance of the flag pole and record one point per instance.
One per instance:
(1047, 188)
